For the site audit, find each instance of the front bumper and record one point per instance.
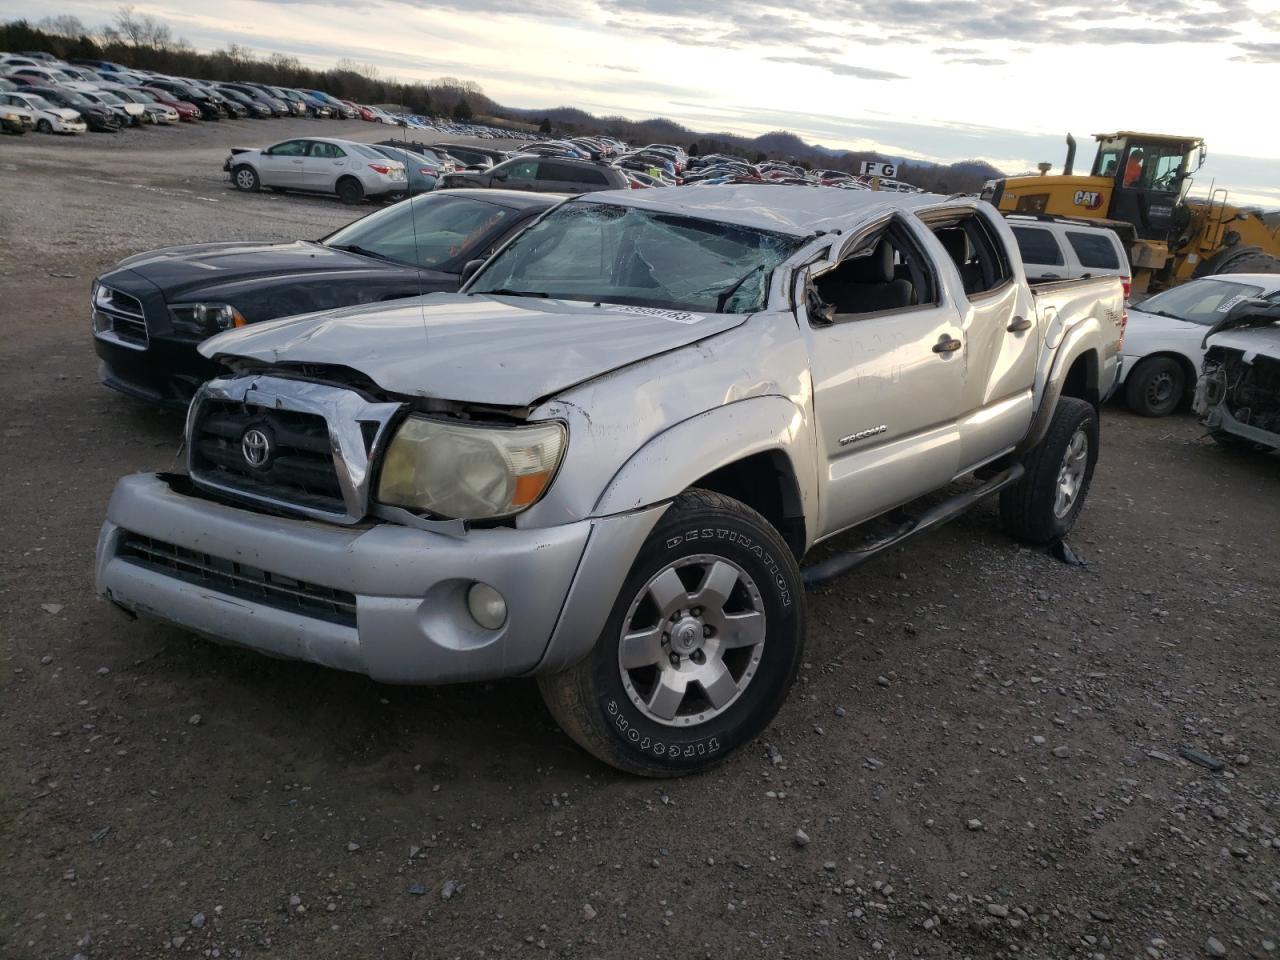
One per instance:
(410, 624)
(165, 372)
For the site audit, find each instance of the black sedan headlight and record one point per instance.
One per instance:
(204, 319)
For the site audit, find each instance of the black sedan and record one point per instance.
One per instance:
(98, 116)
(151, 310)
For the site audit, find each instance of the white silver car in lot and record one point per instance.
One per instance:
(349, 170)
(45, 116)
(1163, 350)
(126, 110)
(156, 112)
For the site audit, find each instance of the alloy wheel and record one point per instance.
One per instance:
(691, 640)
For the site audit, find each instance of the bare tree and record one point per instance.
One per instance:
(366, 70)
(64, 25)
(141, 30)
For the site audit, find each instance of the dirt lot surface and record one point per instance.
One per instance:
(982, 750)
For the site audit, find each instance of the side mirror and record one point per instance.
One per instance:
(469, 270)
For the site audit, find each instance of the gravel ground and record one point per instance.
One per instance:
(981, 758)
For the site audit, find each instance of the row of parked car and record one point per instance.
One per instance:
(566, 166)
(50, 95)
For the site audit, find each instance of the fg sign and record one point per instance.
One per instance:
(871, 169)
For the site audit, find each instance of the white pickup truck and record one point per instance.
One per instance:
(603, 462)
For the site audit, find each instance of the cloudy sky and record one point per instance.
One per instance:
(1001, 80)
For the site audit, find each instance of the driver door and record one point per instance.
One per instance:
(282, 165)
(887, 376)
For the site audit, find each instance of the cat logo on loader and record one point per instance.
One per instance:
(1089, 199)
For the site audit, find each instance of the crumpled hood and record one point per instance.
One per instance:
(504, 351)
(1264, 341)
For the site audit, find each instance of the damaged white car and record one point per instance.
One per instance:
(1238, 394)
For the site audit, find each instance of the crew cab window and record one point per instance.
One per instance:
(290, 148)
(976, 251)
(888, 272)
(327, 151)
(1038, 246)
(1094, 250)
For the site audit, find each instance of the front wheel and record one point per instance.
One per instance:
(44, 126)
(1044, 504)
(700, 650)
(1156, 387)
(245, 178)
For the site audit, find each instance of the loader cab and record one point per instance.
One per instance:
(1151, 175)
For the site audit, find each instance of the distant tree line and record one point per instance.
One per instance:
(142, 41)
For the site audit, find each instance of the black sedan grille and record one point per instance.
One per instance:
(123, 316)
(239, 579)
(298, 464)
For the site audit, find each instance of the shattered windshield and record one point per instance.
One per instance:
(610, 253)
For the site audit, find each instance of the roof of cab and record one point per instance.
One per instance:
(783, 208)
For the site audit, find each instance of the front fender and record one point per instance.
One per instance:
(676, 458)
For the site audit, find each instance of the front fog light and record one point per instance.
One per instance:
(487, 606)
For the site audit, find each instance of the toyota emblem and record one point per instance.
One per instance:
(255, 447)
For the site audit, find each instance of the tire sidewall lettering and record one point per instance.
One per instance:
(705, 747)
(741, 540)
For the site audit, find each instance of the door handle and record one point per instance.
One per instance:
(1019, 325)
(947, 344)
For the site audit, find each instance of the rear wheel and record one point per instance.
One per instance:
(701, 647)
(350, 190)
(1156, 387)
(1238, 260)
(1044, 504)
(246, 178)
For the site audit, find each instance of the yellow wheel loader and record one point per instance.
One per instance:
(1138, 187)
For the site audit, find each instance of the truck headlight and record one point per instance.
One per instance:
(205, 319)
(460, 471)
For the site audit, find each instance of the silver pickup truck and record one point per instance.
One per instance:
(603, 462)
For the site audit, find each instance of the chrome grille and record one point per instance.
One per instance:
(239, 579)
(300, 468)
(288, 444)
(119, 316)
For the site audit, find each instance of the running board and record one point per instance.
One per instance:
(949, 509)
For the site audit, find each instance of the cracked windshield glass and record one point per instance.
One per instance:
(616, 254)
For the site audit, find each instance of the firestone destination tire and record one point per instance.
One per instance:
(700, 649)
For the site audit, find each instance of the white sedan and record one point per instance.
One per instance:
(348, 169)
(1162, 351)
(45, 116)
